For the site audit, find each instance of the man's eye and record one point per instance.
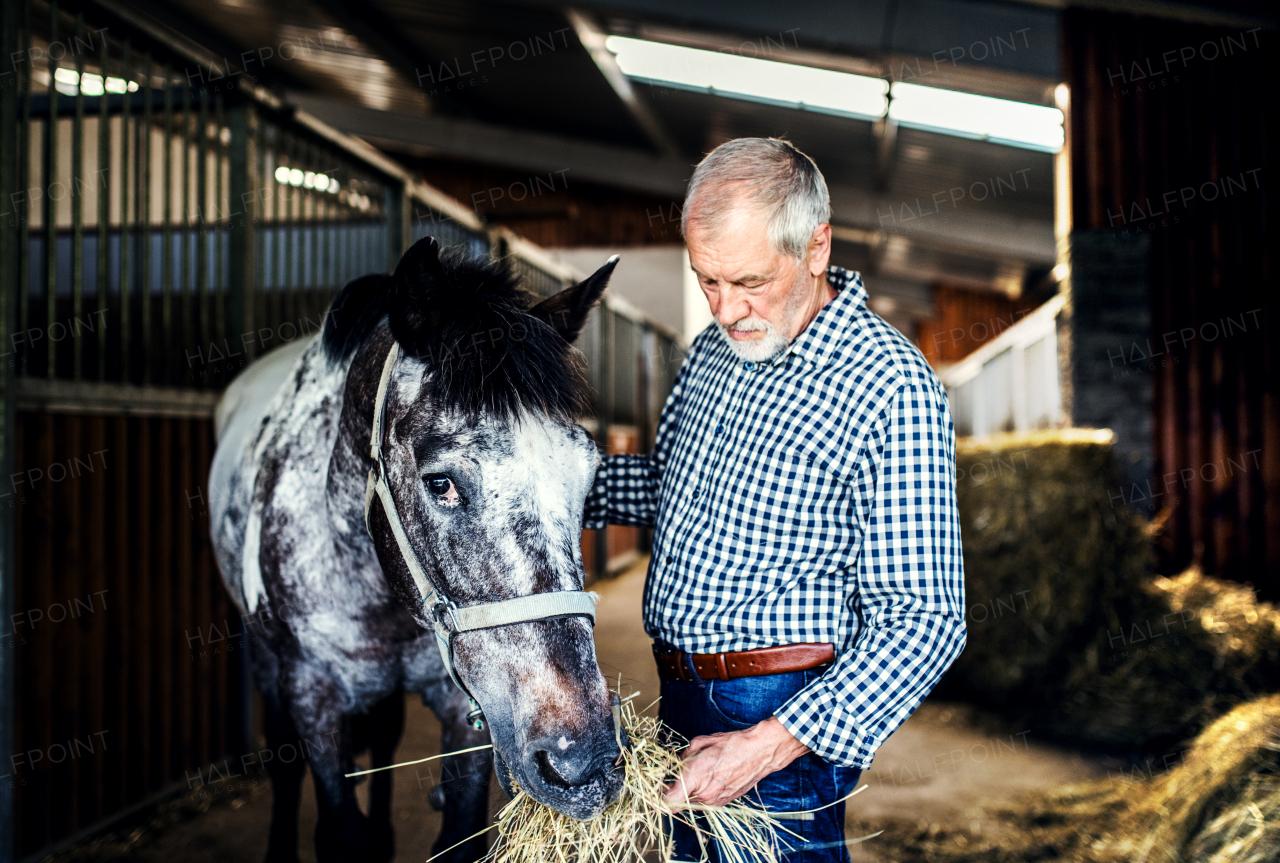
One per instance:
(439, 485)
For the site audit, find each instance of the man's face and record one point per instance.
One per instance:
(761, 299)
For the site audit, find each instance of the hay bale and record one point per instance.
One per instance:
(1070, 633)
(1220, 804)
(1048, 557)
(1192, 648)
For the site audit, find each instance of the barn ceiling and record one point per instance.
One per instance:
(528, 85)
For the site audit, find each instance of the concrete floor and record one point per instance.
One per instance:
(935, 769)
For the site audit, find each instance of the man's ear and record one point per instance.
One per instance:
(819, 251)
(567, 311)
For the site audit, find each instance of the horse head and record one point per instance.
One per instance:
(488, 473)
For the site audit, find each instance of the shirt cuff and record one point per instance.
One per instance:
(814, 717)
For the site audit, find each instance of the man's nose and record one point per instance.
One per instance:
(732, 307)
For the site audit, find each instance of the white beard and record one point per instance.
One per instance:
(757, 350)
(775, 340)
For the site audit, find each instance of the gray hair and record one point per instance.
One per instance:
(770, 173)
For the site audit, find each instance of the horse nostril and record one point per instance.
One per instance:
(547, 770)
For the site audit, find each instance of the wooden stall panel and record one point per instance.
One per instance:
(1178, 152)
(124, 642)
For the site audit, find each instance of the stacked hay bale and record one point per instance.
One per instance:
(1192, 648)
(1219, 804)
(1069, 631)
(1047, 559)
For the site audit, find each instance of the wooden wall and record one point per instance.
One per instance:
(1172, 136)
(128, 672)
(966, 320)
(554, 209)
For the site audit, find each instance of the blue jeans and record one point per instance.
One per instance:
(711, 706)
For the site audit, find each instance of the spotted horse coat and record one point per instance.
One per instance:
(488, 472)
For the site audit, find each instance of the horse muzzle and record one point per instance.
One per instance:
(578, 778)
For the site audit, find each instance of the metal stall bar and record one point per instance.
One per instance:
(144, 217)
(126, 184)
(186, 282)
(50, 205)
(12, 179)
(244, 206)
(77, 210)
(166, 232)
(23, 197)
(222, 224)
(104, 202)
(202, 306)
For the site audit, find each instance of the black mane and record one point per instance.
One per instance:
(469, 321)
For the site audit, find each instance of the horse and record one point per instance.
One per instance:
(397, 508)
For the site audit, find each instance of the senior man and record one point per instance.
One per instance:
(806, 588)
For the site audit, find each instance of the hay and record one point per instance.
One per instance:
(1219, 804)
(1191, 648)
(1070, 633)
(633, 826)
(1047, 558)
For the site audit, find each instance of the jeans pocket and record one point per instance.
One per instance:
(730, 714)
(745, 701)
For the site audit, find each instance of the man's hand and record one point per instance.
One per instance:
(720, 768)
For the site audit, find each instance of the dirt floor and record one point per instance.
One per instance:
(933, 774)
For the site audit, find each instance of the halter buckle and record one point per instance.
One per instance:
(440, 610)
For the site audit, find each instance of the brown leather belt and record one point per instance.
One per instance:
(743, 663)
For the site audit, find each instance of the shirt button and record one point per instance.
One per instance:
(749, 366)
(668, 558)
(719, 428)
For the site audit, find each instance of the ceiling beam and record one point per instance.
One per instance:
(593, 39)
(992, 235)
(173, 28)
(384, 37)
(620, 167)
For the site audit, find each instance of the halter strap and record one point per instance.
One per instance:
(448, 619)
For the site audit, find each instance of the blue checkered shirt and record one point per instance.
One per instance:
(810, 498)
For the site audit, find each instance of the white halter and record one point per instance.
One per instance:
(447, 618)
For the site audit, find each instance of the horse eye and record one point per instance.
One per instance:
(439, 485)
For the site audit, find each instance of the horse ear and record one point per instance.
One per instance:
(418, 280)
(567, 311)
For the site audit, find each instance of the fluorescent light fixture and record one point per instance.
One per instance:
(1001, 120)
(287, 176)
(66, 81)
(749, 78)
(1017, 124)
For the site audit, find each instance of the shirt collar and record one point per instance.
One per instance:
(830, 328)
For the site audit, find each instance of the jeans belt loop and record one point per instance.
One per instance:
(691, 669)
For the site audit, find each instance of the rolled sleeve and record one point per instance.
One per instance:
(909, 590)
